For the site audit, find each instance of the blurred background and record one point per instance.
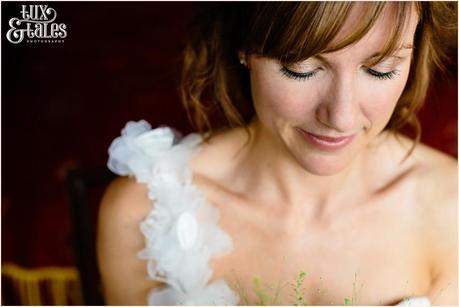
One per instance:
(63, 104)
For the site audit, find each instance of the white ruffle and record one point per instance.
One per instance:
(181, 231)
(418, 301)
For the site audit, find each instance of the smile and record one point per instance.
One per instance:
(326, 143)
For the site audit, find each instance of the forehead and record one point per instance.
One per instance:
(381, 32)
(293, 32)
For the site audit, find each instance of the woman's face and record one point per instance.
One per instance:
(326, 109)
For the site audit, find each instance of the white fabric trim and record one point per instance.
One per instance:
(181, 231)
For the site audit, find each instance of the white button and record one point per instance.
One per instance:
(187, 230)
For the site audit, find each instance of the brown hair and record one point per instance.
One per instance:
(215, 88)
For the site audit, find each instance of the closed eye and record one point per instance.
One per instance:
(301, 76)
(297, 75)
(382, 75)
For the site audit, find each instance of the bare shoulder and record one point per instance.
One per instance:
(437, 185)
(124, 205)
(437, 175)
(125, 197)
(431, 166)
(435, 178)
(439, 188)
(218, 156)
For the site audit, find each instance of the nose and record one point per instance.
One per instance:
(339, 109)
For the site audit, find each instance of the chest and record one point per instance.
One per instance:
(372, 257)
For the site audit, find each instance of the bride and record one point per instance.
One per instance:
(302, 192)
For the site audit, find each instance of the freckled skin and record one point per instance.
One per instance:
(354, 215)
(292, 207)
(341, 99)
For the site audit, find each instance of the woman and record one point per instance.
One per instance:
(309, 179)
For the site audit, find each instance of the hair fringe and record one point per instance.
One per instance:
(215, 89)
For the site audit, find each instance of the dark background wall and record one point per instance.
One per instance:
(63, 104)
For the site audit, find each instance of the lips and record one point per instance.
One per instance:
(326, 143)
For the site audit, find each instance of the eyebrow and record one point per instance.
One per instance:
(376, 54)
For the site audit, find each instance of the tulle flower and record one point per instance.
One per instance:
(181, 231)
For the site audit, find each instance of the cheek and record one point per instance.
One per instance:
(381, 101)
(275, 96)
(380, 109)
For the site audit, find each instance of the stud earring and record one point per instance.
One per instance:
(243, 58)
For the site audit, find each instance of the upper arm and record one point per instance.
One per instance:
(124, 276)
(444, 288)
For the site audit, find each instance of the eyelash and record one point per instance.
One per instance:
(301, 76)
(383, 75)
(297, 75)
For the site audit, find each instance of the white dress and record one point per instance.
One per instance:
(181, 231)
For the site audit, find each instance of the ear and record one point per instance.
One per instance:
(243, 58)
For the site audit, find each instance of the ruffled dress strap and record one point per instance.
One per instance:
(181, 231)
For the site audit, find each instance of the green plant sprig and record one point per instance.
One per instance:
(265, 298)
